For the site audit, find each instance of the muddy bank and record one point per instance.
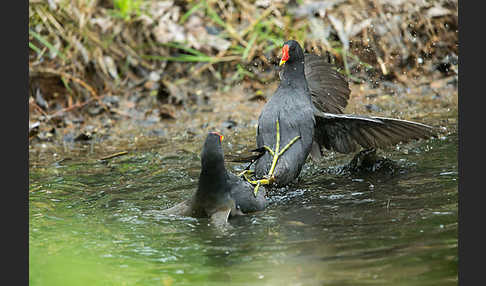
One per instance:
(234, 113)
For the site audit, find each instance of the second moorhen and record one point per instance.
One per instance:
(220, 194)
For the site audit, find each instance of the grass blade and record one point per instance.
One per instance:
(184, 48)
(192, 10)
(36, 49)
(41, 39)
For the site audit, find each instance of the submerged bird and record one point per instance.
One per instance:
(220, 193)
(304, 115)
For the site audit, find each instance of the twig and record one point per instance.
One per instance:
(114, 155)
(74, 106)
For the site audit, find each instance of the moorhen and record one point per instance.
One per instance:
(220, 193)
(305, 114)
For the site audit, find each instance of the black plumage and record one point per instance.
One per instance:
(309, 103)
(220, 194)
(328, 88)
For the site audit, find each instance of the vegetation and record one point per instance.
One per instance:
(82, 51)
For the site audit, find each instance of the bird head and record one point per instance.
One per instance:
(291, 50)
(212, 152)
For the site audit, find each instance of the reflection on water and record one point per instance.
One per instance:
(99, 223)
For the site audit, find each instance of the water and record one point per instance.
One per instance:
(99, 223)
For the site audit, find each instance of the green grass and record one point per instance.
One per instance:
(262, 32)
(46, 43)
(126, 8)
(192, 56)
(191, 11)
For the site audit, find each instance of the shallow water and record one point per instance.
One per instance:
(95, 222)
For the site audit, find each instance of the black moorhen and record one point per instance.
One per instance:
(220, 193)
(305, 114)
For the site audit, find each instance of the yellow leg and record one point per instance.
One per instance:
(245, 173)
(276, 154)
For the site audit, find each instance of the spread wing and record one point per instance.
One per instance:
(329, 90)
(344, 133)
